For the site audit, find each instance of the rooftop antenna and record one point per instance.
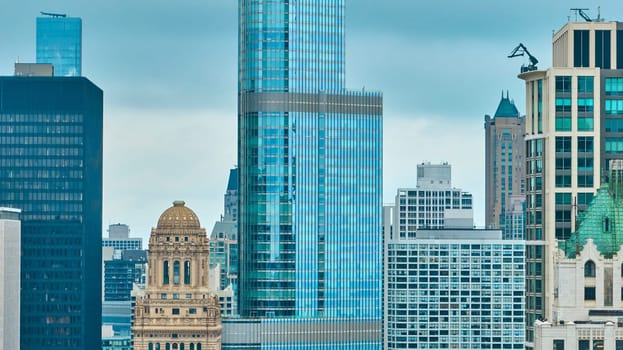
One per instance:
(55, 15)
(598, 13)
(579, 11)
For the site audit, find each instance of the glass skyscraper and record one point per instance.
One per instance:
(59, 42)
(310, 177)
(51, 169)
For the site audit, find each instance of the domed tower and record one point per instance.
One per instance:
(178, 310)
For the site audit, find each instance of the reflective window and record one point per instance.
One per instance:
(176, 272)
(186, 272)
(165, 272)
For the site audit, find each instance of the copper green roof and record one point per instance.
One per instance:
(506, 108)
(602, 222)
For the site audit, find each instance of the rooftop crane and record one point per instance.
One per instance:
(521, 50)
(582, 14)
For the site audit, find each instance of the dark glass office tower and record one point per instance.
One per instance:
(59, 41)
(310, 176)
(51, 168)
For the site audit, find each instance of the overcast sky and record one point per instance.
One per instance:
(168, 71)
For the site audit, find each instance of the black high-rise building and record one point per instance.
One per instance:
(51, 168)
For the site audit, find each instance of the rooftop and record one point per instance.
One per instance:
(506, 108)
(602, 222)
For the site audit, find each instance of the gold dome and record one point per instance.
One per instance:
(178, 216)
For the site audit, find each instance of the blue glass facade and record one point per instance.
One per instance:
(59, 41)
(51, 168)
(310, 163)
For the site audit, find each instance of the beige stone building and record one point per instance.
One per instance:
(178, 310)
(573, 111)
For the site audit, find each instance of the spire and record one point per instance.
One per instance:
(506, 108)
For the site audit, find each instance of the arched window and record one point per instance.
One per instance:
(186, 272)
(165, 272)
(198, 346)
(589, 269)
(176, 273)
(192, 346)
(175, 346)
(167, 346)
(181, 346)
(150, 346)
(157, 346)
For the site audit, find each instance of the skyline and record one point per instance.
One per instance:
(123, 52)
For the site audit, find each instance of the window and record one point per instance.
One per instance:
(167, 346)
(175, 311)
(176, 272)
(585, 124)
(584, 198)
(614, 106)
(585, 180)
(602, 49)
(563, 84)
(589, 269)
(580, 48)
(585, 85)
(559, 344)
(563, 215)
(563, 198)
(585, 104)
(563, 144)
(563, 163)
(563, 123)
(163, 296)
(150, 346)
(585, 163)
(563, 105)
(614, 86)
(614, 125)
(585, 144)
(165, 272)
(589, 293)
(563, 180)
(186, 272)
(619, 49)
(614, 145)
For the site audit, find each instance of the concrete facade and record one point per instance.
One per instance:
(10, 248)
(432, 204)
(457, 289)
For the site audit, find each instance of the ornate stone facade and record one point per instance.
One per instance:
(178, 310)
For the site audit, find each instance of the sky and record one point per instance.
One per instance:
(169, 74)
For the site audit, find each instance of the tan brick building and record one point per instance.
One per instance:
(178, 310)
